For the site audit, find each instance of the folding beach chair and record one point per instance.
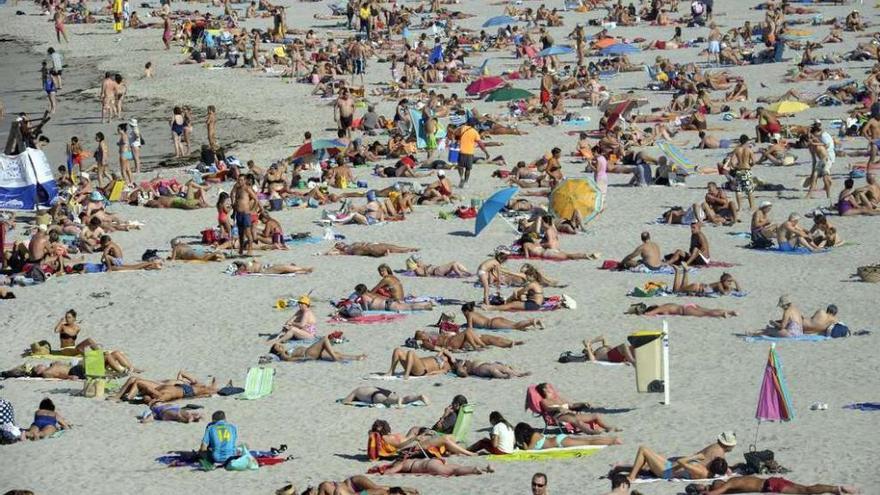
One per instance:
(93, 362)
(462, 429)
(533, 404)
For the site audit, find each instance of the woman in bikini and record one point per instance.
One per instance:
(603, 352)
(489, 272)
(564, 410)
(669, 468)
(689, 309)
(532, 248)
(68, 329)
(302, 325)
(414, 365)
(47, 421)
(424, 439)
(168, 412)
(525, 299)
(381, 396)
(434, 467)
(477, 320)
(100, 159)
(527, 438)
(322, 350)
(724, 286)
(125, 153)
(355, 485)
(254, 266)
(371, 301)
(461, 341)
(452, 269)
(465, 368)
(224, 217)
(372, 249)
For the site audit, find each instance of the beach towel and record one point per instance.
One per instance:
(259, 383)
(864, 406)
(389, 378)
(799, 338)
(301, 241)
(547, 454)
(191, 459)
(368, 319)
(646, 479)
(798, 251)
(663, 270)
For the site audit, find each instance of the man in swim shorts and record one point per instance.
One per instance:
(754, 484)
(343, 111)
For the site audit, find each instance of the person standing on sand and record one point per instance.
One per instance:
(211, 124)
(358, 54)
(56, 66)
(871, 132)
(108, 94)
(135, 141)
(59, 25)
(343, 112)
(121, 89)
(243, 200)
(125, 154)
(167, 32)
(468, 140)
(745, 158)
(177, 128)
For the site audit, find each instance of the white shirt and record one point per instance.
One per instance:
(505, 437)
(828, 141)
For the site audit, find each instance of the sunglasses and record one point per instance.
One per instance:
(538, 485)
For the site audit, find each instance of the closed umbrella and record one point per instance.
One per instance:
(788, 107)
(484, 85)
(555, 50)
(491, 207)
(508, 94)
(774, 402)
(501, 20)
(619, 49)
(576, 195)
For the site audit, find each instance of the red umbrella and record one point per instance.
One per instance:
(616, 111)
(484, 85)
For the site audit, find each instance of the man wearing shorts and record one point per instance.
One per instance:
(244, 200)
(468, 141)
(754, 484)
(56, 66)
(742, 171)
(343, 111)
(823, 154)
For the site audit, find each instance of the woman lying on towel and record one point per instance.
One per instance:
(724, 286)
(322, 350)
(689, 309)
(527, 438)
(689, 468)
(531, 248)
(622, 353)
(183, 387)
(434, 467)
(254, 266)
(466, 340)
(478, 320)
(452, 269)
(414, 365)
(754, 484)
(354, 485)
(392, 443)
(375, 395)
(374, 249)
(464, 368)
(370, 301)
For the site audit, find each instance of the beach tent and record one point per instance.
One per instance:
(26, 181)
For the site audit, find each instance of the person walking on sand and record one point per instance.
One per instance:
(245, 205)
(125, 153)
(742, 170)
(135, 141)
(823, 154)
(167, 32)
(177, 129)
(108, 95)
(59, 25)
(343, 112)
(468, 141)
(211, 125)
(56, 66)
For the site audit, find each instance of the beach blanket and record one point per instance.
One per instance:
(191, 459)
(646, 479)
(799, 338)
(301, 241)
(417, 403)
(259, 383)
(798, 251)
(547, 454)
(368, 319)
(666, 292)
(864, 406)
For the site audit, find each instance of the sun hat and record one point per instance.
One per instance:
(305, 299)
(765, 204)
(727, 438)
(133, 122)
(784, 300)
(441, 173)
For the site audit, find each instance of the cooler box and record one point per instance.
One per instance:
(453, 154)
(648, 351)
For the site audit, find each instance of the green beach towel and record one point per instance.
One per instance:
(259, 383)
(548, 454)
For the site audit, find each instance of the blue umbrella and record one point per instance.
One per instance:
(491, 207)
(619, 49)
(555, 50)
(501, 20)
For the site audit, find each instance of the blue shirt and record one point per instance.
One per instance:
(221, 438)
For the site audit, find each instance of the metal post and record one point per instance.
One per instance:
(665, 363)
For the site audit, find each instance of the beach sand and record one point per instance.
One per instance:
(195, 317)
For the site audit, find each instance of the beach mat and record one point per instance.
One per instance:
(799, 338)
(259, 383)
(863, 406)
(547, 454)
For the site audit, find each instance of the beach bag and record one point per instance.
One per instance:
(466, 212)
(244, 462)
(759, 461)
(839, 330)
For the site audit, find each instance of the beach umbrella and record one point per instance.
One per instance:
(676, 156)
(619, 49)
(774, 402)
(319, 144)
(491, 207)
(501, 20)
(555, 50)
(581, 195)
(617, 110)
(508, 94)
(788, 107)
(484, 85)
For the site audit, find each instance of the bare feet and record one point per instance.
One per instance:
(539, 324)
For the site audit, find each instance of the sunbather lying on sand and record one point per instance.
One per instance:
(254, 266)
(184, 386)
(464, 368)
(426, 439)
(374, 249)
(114, 361)
(355, 485)
(370, 301)
(376, 395)
(461, 341)
(47, 421)
(168, 412)
(413, 365)
(528, 438)
(434, 467)
(724, 286)
(689, 309)
(603, 352)
(451, 269)
(754, 484)
(477, 320)
(185, 252)
(320, 350)
(707, 463)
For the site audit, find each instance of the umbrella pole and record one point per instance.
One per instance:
(509, 223)
(755, 442)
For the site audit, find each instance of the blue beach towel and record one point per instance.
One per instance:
(864, 406)
(800, 338)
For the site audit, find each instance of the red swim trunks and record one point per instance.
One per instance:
(615, 356)
(772, 128)
(775, 485)
(545, 96)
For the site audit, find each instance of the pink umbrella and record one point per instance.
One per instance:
(484, 85)
(774, 403)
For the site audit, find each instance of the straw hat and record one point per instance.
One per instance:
(727, 439)
(304, 299)
(784, 301)
(133, 122)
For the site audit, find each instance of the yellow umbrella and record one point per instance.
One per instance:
(789, 107)
(581, 195)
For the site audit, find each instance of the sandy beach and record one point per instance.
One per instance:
(193, 316)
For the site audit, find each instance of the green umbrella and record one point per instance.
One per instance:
(508, 94)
